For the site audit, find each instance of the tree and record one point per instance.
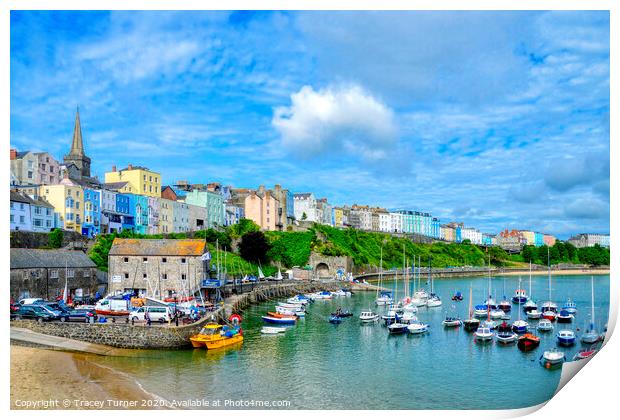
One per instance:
(254, 247)
(244, 226)
(529, 253)
(55, 238)
(304, 216)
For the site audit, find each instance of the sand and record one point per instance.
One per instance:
(49, 379)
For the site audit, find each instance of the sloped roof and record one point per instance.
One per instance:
(171, 247)
(20, 198)
(114, 186)
(49, 258)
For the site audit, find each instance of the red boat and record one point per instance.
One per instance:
(585, 354)
(281, 316)
(550, 315)
(528, 342)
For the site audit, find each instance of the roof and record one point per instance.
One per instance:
(302, 195)
(20, 198)
(114, 186)
(172, 247)
(49, 258)
(41, 202)
(20, 155)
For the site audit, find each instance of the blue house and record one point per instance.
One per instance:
(92, 213)
(123, 208)
(539, 239)
(458, 238)
(139, 209)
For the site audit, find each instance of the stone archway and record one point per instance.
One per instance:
(322, 270)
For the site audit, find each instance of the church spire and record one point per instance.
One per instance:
(77, 147)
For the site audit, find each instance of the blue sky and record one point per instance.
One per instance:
(497, 119)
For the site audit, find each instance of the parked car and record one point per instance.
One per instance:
(30, 301)
(61, 308)
(80, 315)
(15, 307)
(156, 314)
(44, 308)
(33, 312)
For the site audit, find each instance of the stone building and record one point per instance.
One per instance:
(156, 267)
(41, 273)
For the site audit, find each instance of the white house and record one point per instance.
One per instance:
(305, 207)
(396, 222)
(21, 218)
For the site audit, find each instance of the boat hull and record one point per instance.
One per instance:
(526, 343)
(284, 321)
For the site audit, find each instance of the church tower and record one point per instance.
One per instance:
(76, 155)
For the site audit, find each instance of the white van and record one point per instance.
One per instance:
(156, 313)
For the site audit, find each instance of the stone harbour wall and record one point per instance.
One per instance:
(140, 336)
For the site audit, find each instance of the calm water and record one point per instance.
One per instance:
(317, 365)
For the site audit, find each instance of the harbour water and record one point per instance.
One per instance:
(317, 365)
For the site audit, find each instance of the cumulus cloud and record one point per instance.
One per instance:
(587, 208)
(346, 119)
(592, 170)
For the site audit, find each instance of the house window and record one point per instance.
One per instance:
(183, 260)
(54, 274)
(37, 222)
(11, 204)
(21, 206)
(125, 259)
(48, 223)
(70, 273)
(164, 260)
(143, 275)
(12, 218)
(126, 275)
(164, 276)
(183, 276)
(21, 219)
(144, 260)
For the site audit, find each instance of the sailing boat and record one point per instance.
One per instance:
(279, 276)
(494, 311)
(472, 323)
(433, 301)
(504, 304)
(591, 336)
(261, 276)
(398, 327)
(368, 315)
(520, 326)
(549, 308)
(420, 296)
(484, 333)
(386, 297)
(530, 305)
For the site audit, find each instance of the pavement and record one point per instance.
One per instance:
(24, 335)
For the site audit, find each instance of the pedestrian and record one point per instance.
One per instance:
(147, 318)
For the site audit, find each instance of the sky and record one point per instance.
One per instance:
(496, 119)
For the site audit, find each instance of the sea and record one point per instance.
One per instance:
(318, 365)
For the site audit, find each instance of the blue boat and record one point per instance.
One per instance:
(335, 319)
(566, 338)
(274, 320)
(570, 307)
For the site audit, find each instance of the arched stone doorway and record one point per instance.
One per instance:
(322, 270)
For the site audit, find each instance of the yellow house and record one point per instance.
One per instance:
(139, 180)
(68, 201)
(529, 236)
(338, 216)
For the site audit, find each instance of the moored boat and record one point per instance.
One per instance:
(452, 321)
(591, 336)
(585, 354)
(550, 315)
(417, 327)
(472, 323)
(368, 316)
(566, 337)
(528, 342)
(335, 319)
(215, 336)
(570, 306)
(279, 320)
(273, 330)
(545, 325)
(553, 357)
(397, 328)
(534, 314)
(520, 296)
(564, 317)
(483, 333)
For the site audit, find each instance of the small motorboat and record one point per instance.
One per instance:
(273, 330)
(585, 354)
(591, 336)
(300, 299)
(397, 328)
(505, 305)
(286, 311)
(407, 317)
(520, 296)
(496, 314)
(504, 327)
(549, 306)
(483, 333)
(417, 327)
(564, 317)
(528, 342)
(342, 314)
(452, 322)
(492, 325)
(570, 307)
(335, 319)
(278, 315)
(324, 295)
(471, 324)
(552, 357)
(505, 317)
(530, 305)
(279, 320)
(550, 315)
(481, 311)
(292, 306)
(545, 325)
(520, 326)
(384, 299)
(389, 317)
(534, 314)
(433, 301)
(419, 298)
(215, 336)
(457, 297)
(369, 316)
(341, 293)
(566, 338)
(506, 337)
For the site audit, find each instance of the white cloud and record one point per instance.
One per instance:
(344, 118)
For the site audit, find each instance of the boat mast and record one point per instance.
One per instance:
(430, 278)
(471, 314)
(592, 291)
(519, 299)
(549, 272)
(380, 272)
(530, 279)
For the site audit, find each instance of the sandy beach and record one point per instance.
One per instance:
(49, 379)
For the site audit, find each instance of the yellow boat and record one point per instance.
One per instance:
(213, 336)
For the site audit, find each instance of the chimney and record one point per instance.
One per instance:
(129, 167)
(13, 154)
(113, 168)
